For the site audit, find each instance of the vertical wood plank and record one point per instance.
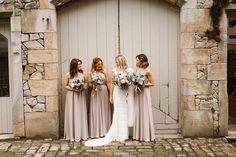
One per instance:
(173, 62)
(155, 58)
(111, 22)
(92, 31)
(82, 33)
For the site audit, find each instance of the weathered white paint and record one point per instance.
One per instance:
(89, 28)
(152, 27)
(6, 102)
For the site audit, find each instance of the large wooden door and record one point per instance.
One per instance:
(5, 81)
(152, 27)
(90, 28)
(87, 29)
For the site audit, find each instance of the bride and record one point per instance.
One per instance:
(123, 107)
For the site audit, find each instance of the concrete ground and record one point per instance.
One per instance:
(179, 147)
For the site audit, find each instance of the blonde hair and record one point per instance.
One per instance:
(122, 62)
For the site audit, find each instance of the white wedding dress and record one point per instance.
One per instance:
(122, 118)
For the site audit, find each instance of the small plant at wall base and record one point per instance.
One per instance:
(216, 12)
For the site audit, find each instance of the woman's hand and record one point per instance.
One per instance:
(111, 100)
(76, 90)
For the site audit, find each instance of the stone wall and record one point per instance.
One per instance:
(204, 103)
(38, 55)
(40, 65)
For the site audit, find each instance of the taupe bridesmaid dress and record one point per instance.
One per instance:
(76, 122)
(100, 111)
(143, 121)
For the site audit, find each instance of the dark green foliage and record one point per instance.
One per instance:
(215, 13)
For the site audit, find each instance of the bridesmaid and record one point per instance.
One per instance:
(76, 123)
(100, 111)
(143, 122)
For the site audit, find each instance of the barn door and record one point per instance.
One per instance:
(90, 28)
(87, 29)
(152, 27)
(5, 81)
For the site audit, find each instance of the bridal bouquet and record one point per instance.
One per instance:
(139, 81)
(122, 79)
(77, 84)
(96, 79)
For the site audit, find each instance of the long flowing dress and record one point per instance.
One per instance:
(119, 127)
(100, 111)
(143, 129)
(76, 123)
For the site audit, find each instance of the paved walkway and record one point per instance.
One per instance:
(183, 147)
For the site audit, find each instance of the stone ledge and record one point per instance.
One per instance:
(6, 10)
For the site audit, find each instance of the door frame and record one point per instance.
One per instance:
(18, 127)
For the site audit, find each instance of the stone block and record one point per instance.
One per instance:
(223, 23)
(33, 45)
(222, 52)
(7, 9)
(188, 71)
(187, 40)
(34, 21)
(204, 4)
(188, 103)
(45, 4)
(50, 40)
(51, 71)
(24, 37)
(195, 20)
(41, 124)
(43, 87)
(190, 4)
(16, 43)
(197, 123)
(52, 103)
(195, 87)
(173, 2)
(18, 129)
(195, 56)
(42, 56)
(217, 71)
(223, 107)
(16, 24)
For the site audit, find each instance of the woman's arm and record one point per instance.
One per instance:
(66, 84)
(111, 92)
(90, 85)
(107, 79)
(150, 78)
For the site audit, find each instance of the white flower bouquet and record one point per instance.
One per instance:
(139, 81)
(96, 79)
(77, 84)
(122, 79)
